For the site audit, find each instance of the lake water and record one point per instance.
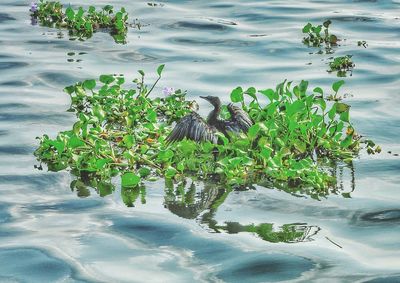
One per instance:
(49, 233)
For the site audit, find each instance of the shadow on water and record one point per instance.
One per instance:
(200, 201)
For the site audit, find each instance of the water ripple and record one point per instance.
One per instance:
(385, 216)
(6, 17)
(204, 41)
(236, 263)
(16, 150)
(70, 206)
(197, 26)
(11, 65)
(32, 265)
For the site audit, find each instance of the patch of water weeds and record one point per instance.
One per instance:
(296, 134)
(319, 36)
(82, 23)
(342, 65)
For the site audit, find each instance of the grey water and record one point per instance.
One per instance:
(200, 232)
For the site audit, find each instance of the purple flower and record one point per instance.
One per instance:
(34, 7)
(168, 91)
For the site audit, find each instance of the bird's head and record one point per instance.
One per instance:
(214, 100)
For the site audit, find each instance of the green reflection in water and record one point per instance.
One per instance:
(189, 202)
(200, 201)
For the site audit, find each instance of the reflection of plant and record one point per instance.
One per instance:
(288, 233)
(82, 23)
(130, 195)
(342, 65)
(203, 204)
(318, 35)
(122, 131)
(84, 181)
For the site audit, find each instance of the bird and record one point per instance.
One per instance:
(194, 127)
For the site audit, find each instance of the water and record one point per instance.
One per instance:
(49, 233)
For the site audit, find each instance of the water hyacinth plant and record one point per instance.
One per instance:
(342, 65)
(296, 134)
(319, 35)
(82, 23)
(362, 43)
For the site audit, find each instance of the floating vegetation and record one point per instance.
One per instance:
(296, 135)
(81, 23)
(341, 65)
(153, 4)
(319, 35)
(362, 43)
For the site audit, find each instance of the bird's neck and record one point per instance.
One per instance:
(214, 114)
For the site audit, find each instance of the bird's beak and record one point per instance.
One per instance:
(204, 97)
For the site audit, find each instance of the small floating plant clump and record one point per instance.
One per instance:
(341, 65)
(362, 43)
(82, 23)
(296, 134)
(319, 35)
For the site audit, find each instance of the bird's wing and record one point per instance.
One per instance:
(239, 118)
(192, 127)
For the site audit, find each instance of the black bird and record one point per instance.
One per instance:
(194, 127)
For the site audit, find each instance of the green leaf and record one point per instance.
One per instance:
(170, 172)
(327, 23)
(128, 140)
(266, 152)
(70, 13)
(89, 84)
(295, 107)
(300, 146)
(151, 115)
(180, 166)
(101, 162)
(345, 116)
(59, 146)
(251, 91)
(129, 180)
(160, 69)
(341, 107)
(237, 94)
(347, 141)
(69, 89)
(88, 27)
(253, 131)
(75, 142)
(336, 85)
(144, 172)
(321, 102)
(165, 155)
(107, 79)
(303, 87)
(80, 12)
(270, 93)
(332, 112)
(307, 27)
(318, 90)
(99, 112)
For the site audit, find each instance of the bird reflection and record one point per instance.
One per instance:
(188, 201)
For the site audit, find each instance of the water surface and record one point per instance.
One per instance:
(200, 232)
